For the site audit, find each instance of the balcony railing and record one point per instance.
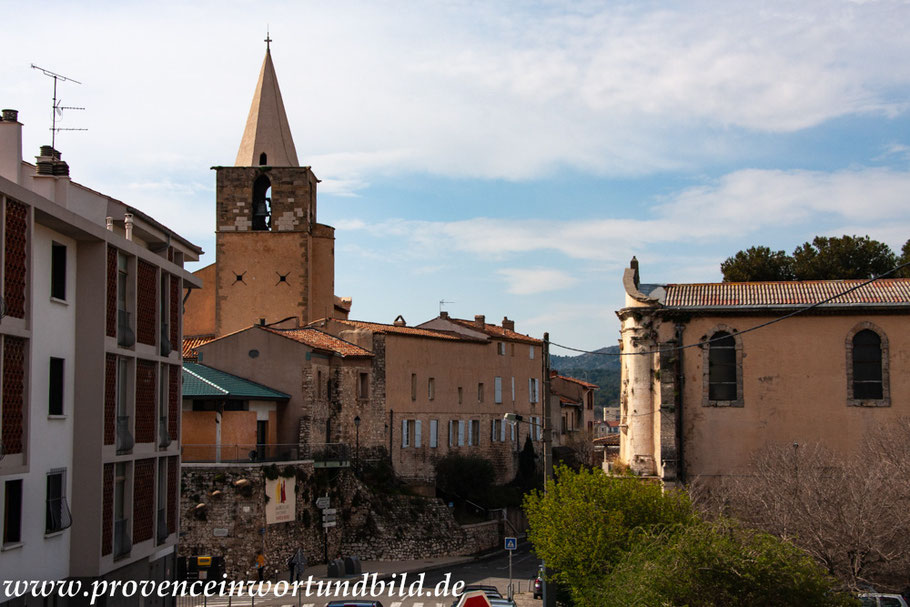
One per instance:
(125, 335)
(330, 454)
(162, 525)
(164, 439)
(123, 543)
(58, 515)
(124, 436)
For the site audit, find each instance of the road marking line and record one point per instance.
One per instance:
(396, 604)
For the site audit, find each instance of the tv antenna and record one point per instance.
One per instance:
(443, 302)
(57, 108)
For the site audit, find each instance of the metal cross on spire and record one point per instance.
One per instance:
(268, 40)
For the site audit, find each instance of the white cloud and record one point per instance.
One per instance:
(500, 90)
(529, 281)
(737, 205)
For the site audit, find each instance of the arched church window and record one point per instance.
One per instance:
(262, 203)
(262, 159)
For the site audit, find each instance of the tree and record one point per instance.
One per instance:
(849, 512)
(718, 564)
(825, 258)
(585, 521)
(469, 477)
(905, 258)
(845, 257)
(757, 263)
(526, 476)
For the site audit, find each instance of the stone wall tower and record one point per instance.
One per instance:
(274, 260)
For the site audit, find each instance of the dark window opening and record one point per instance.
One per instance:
(58, 271)
(867, 365)
(262, 203)
(363, 387)
(263, 159)
(12, 512)
(722, 382)
(57, 514)
(55, 388)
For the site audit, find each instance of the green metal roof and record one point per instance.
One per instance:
(200, 381)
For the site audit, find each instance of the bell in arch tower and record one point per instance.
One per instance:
(273, 260)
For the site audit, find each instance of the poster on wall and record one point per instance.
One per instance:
(279, 508)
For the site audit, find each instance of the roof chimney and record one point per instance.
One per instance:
(128, 226)
(10, 145)
(399, 321)
(10, 115)
(49, 163)
(508, 325)
(443, 314)
(480, 320)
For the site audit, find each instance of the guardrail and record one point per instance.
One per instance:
(337, 454)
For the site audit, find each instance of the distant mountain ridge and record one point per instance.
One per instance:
(601, 367)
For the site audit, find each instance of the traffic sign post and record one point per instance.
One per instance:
(511, 545)
(475, 598)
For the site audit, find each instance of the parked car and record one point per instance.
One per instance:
(877, 599)
(502, 603)
(492, 592)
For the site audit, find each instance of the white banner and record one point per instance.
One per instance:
(280, 507)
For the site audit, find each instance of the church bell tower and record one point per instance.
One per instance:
(274, 261)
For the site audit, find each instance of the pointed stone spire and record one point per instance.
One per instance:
(267, 130)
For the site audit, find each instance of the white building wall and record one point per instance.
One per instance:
(50, 438)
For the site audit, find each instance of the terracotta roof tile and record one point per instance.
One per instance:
(888, 292)
(497, 331)
(396, 330)
(579, 382)
(191, 343)
(321, 341)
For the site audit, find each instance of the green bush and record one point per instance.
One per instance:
(715, 565)
(621, 541)
(466, 476)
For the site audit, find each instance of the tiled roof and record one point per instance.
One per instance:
(885, 292)
(497, 331)
(200, 381)
(579, 382)
(321, 341)
(191, 343)
(396, 330)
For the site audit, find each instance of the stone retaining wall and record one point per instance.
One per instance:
(231, 520)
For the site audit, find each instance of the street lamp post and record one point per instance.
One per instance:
(357, 442)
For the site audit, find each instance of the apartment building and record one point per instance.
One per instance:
(90, 372)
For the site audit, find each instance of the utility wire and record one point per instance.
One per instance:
(750, 329)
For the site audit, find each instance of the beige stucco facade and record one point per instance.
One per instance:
(793, 379)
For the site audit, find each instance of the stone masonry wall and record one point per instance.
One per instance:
(370, 525)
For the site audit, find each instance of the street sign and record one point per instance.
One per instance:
(329, 511)
(322, 502)
(327, 524)
(511, 543)
(328, 518)
(475, 598)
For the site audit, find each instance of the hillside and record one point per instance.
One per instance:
(595, 368)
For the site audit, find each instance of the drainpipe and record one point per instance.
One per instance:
(680, 386)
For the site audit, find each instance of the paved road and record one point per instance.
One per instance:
(492, 571)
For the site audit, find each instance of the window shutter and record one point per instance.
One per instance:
(493, 430)
(451, 433)
(404, 433)
(460, 433)
(513, 389)
(497, 390)
(417, 437)
(471, 433)
(502, 431)
(434, 433)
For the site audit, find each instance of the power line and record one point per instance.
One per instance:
(750, 329)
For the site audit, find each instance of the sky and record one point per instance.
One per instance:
(507, 158)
